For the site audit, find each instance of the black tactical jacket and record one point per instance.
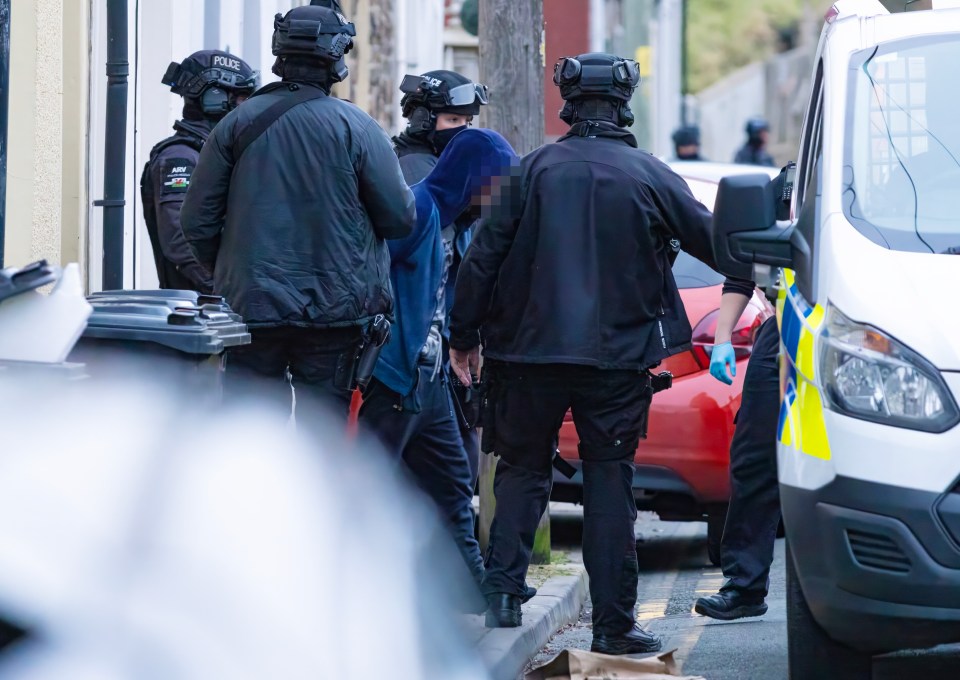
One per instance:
(416, 157)
(294, 229)
(163, 186)
(577, 267)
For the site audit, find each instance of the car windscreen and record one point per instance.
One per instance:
(902, 151)
(690, 272)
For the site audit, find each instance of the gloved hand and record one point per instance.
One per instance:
(721, 358)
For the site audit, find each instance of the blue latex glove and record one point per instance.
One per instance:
(722, 358)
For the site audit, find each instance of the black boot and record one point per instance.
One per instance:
(504, 611)
(731, 604)
(635, 641)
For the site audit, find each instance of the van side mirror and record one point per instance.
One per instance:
(745, 228)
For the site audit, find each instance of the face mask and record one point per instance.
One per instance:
(442, 137)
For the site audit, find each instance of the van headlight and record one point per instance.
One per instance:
(867, 374)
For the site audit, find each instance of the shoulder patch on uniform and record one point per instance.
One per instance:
(175, 175)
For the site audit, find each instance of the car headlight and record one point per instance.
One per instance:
(867, 374)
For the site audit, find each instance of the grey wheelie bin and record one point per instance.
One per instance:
(176, 338)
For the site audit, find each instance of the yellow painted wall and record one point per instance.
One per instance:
(46, 194)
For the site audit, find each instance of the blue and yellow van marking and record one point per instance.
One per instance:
(801, 425)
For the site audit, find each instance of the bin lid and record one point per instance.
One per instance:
(164, 293)
(36, 274)
(172, 323)
(168, 297)
(172, 299)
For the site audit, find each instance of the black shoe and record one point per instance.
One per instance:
(528, 594)
(504, 611)
(730, 604)
(636, 641)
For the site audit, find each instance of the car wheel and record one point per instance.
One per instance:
(811, 652)
(716, 518)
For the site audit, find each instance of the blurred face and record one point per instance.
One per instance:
(688, 150)
(446, 121)
(489, 193)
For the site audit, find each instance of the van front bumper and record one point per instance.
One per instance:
(879, 565)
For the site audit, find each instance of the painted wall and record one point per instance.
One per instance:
(245, 28)
(567, 34)
(34, 133)
(419, 23)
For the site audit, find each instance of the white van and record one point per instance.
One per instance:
(869, 447)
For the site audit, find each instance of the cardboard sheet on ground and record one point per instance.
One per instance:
(579, 664)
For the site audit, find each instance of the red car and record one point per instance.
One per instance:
(683, 465)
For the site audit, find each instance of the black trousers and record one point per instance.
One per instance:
(610, 412)
(746, 551)
(305, 359)
(430, 445)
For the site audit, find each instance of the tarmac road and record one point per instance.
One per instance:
(674, 572)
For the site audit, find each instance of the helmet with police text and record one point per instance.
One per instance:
(442, 92)
(211, 81)
(596, 75)
(314, 34)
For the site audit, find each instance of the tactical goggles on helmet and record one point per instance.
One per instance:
(461, 95)
(189, 84)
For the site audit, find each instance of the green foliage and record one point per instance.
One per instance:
(724, 35)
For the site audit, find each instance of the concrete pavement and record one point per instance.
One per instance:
(557, 603)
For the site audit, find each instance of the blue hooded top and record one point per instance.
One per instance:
(468, 163)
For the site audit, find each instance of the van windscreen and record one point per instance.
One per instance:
(902, 158)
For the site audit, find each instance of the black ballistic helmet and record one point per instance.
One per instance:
(687, 135)
(755, 126)
(596, 76)
(313, 34)
(210, 81)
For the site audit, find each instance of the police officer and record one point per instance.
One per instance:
(570, 290)
(438, 105)
(212, 83)
(746, 550)
(754, 151)
(292, 198)
(686, 143)
(753, 515)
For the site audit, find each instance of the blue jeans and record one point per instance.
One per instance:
(430, 445)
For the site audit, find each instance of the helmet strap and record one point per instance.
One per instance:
(597, 110)
(306, 70)
(192, 109)
(422, 121)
